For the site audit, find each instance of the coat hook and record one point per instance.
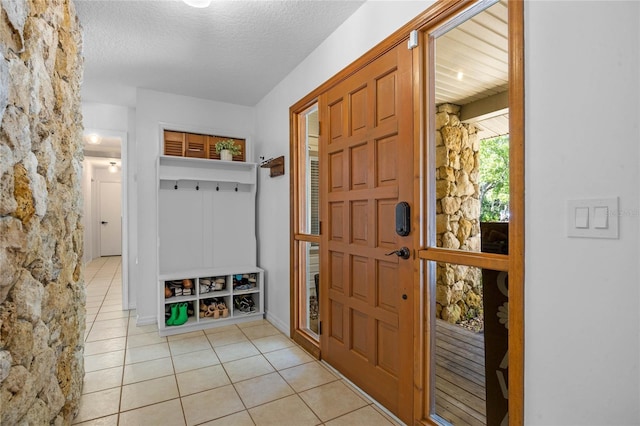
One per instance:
(176, 185)
(217, 187)
(197, 186)
(236, 187)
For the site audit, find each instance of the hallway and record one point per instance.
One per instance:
(247, 374)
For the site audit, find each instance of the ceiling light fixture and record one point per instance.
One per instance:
(198, 3)
(460, 75)
(113, 168)
(93, 139)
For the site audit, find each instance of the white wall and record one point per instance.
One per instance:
(346, 44)
(105, 116)
(582, 300)
(181, 113)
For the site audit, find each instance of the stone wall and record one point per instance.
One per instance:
(458, 288)
(42, 292)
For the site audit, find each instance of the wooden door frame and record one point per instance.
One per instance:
(513, 263)
(299, 335)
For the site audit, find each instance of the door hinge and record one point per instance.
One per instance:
(320, 227)
(319, 327)
(319, 128)
(413, 39)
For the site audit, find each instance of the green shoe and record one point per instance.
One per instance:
(174, 314)
(182, 314)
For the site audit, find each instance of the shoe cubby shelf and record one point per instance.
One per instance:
(176, 169)
(218, 296)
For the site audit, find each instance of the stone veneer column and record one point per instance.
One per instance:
(458, 288)
(42, 294)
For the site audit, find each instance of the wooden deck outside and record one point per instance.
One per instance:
(460, 376)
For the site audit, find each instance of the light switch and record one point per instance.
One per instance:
(582, 217)
(593, 218)
(601, 217)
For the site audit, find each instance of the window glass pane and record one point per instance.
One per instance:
(308, 281)
(470, 344)
(309, 183)
(471, 107)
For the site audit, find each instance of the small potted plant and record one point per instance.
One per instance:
(227, 148)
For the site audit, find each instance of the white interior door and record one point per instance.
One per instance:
(110, 219)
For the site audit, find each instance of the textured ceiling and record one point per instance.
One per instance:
(237, 51)
(231, 51)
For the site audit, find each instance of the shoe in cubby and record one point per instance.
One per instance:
(184, 287)
(243, 282)
(178, 313)
(244, 304)
(213, 308)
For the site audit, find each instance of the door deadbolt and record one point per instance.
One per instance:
(403, 219)
(402, 252)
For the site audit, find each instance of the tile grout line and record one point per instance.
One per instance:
(369, 402)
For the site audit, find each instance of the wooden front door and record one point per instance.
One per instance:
(366, 170)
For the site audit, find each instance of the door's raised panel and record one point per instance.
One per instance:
(360, 278)
(336, 310)
(358, 110)
(336, 221)
(386, 212)
(359, 166)
(387, 160)
(387, 344)
(335, 120)
(336, 173)
(359, 222)
(387, 286)
(358, 333)
(336, 265)
(385, 98)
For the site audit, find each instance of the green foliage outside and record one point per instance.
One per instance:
(494, 179)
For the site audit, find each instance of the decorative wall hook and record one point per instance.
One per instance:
(236, 187)
(176, 185)
(276, 165)
(217, 186)
(197, 186)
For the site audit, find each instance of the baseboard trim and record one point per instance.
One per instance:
(140, 321)
(283, 327)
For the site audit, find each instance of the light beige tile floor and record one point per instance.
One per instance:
(247, 374)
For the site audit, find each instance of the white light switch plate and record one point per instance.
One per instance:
(596, 218)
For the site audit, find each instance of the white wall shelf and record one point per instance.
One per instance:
(205, 170)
